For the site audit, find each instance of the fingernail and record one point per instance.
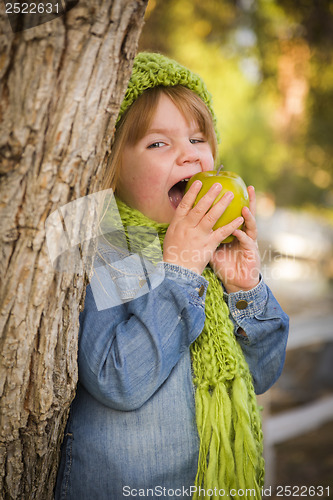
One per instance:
(217, 186)
(229, 195)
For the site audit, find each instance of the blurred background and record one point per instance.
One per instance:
(269, 67)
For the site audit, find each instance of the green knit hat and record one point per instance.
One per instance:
(153, 69)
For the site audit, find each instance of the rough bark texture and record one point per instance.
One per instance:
(61, 86)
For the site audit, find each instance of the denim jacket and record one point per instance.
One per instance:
(131, 430)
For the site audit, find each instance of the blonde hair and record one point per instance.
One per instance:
(137, 118)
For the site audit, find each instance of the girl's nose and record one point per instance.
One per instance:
(188, 154)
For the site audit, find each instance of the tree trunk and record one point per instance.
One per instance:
(61, 87)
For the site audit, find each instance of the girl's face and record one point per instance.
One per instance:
(153, 170)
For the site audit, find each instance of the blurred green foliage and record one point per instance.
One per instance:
(269, 67)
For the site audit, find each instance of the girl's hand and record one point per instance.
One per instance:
(190, 240)
(237, 264)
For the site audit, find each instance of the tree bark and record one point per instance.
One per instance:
(61, 87)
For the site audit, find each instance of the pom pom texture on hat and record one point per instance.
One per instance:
(153, 69)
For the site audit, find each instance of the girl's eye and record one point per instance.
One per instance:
(157, 144)
(196, 141)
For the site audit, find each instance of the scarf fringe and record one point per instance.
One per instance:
(230, 458)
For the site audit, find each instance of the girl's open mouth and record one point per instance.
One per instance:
(177, 191)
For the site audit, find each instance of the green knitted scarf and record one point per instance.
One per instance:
(227, 416)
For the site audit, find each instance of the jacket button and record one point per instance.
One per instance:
(241, 304)
(201, 291)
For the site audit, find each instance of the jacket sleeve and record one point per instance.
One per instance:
(127, 351)
(266, 328)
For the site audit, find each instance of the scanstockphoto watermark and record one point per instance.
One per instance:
(230, 261)
(25, 15)
(183, 492)
(272, 265)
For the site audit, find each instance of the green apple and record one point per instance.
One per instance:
(230, 182)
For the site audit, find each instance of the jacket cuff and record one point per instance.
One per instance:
(246, 304)
(195, 284)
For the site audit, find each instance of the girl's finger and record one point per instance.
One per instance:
(250, 226)
(204, 204)
(216, 211)
(222, 233)
(188, 199)
(252, 199)
(244, 239)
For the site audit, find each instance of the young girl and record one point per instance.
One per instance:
(172, 345)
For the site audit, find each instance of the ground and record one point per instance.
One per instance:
(305, 460)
